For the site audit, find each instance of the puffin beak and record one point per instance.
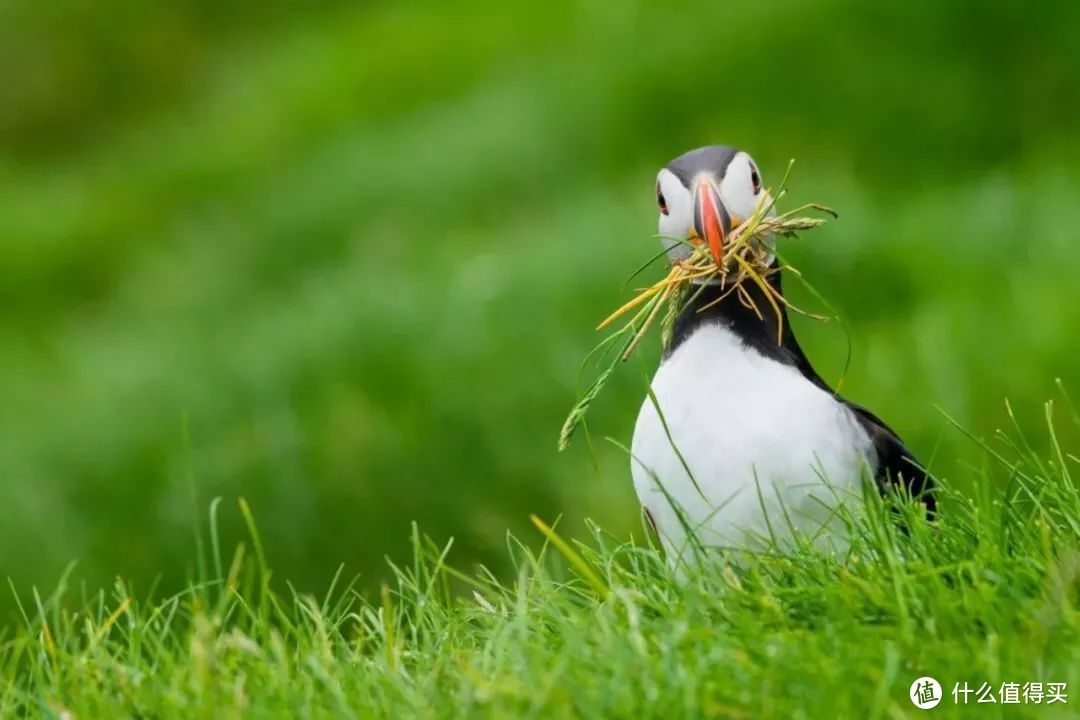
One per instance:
(711, 220)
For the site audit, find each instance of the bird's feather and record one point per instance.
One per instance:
(747, 346)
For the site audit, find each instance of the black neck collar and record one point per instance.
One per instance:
(719, 304)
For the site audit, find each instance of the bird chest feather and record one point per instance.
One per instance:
(752, 448)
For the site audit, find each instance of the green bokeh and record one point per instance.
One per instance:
(344, 260)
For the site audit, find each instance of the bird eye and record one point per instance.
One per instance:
(660, 200)
(755, 179)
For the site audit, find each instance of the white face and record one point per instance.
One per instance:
(741, 189)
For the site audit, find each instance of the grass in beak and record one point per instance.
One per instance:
(746, 260)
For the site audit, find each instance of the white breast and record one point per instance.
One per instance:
(768, 450)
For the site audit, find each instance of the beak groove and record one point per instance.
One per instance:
(711, 220)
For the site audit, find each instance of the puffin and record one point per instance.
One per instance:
(740, 443)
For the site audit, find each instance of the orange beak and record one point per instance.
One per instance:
(711, 220)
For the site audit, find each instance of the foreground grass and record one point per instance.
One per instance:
(989, 593)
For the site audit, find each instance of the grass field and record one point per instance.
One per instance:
(988, 594)
(343, 261)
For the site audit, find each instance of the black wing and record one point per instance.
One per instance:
(896, 465)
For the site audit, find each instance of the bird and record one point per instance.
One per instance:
(739, 442)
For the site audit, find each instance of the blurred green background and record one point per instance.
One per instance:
(343, 259)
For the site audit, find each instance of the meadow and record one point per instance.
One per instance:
(981, 600)
(343, 263)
